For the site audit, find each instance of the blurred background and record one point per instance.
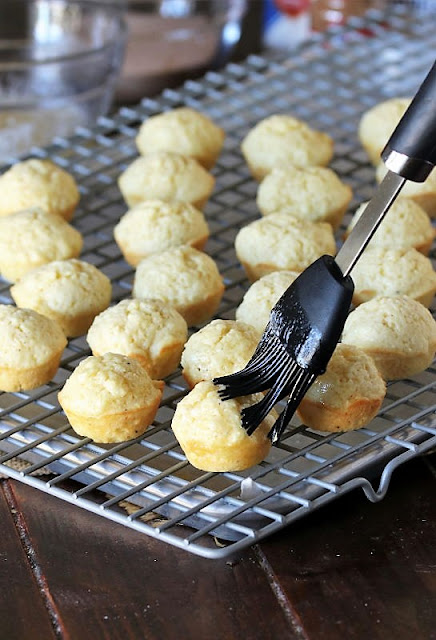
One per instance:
(63, 63)
(172, 40)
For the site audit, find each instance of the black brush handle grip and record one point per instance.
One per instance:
(309, 317)
(411, 150)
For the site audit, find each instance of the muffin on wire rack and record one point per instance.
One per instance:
(219, 348)
(378, 123)
(150, 331)
(166, 176)
(110, 398)
(185, 278)
(311, 193)
(182, 130)
(32, 346)
(406, 226)
(210, 432)
(153, 226)
(280, 140)
(398, 332)
(71, 292)
(31, 238)
(281, 242)
(38, 183)
(347, 396)
(384, 271)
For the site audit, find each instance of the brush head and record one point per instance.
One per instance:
(303, 330)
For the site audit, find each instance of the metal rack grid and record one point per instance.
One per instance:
(147, 483)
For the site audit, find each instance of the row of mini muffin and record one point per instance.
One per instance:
(37, 201)
(164, 231)
(222, 443)
(57, 295)
(176, 284)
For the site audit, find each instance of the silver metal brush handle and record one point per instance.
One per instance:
(410, 154)
(369, 222)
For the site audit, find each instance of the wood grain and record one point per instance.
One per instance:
(358, 570)
(107, 581)
(353, 570)
(22, 609)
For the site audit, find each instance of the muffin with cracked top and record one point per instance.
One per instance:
(110, 398)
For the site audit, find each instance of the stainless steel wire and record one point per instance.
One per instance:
(147, 484)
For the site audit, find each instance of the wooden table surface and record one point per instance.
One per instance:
(352, 570)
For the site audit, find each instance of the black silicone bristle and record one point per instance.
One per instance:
(301, 386)
(260, 372)
(294, 383)
(253, 415)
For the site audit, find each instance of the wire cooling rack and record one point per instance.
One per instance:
(147, 484)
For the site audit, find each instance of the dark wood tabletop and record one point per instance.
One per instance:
(352, 570)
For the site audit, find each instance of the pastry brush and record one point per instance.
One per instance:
(306, 323)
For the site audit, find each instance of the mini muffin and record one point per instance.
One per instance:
(183, 277)
(31, 238)
(260, 298)
(383, 272)
(311, 193)
(423, 193)
(110, 398)
(210, 432)
(220, 348)
(150, 331)
(282, 242)
(405, 226)
(280, 140)
(183, 130)
(166, 176)
(378, 123)
(347, 396)
(38, 183)
(71, 292)
(32, 347)
(396, 331)
(154, 226)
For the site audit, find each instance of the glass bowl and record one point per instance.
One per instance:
(173, 40)
(59, 62)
